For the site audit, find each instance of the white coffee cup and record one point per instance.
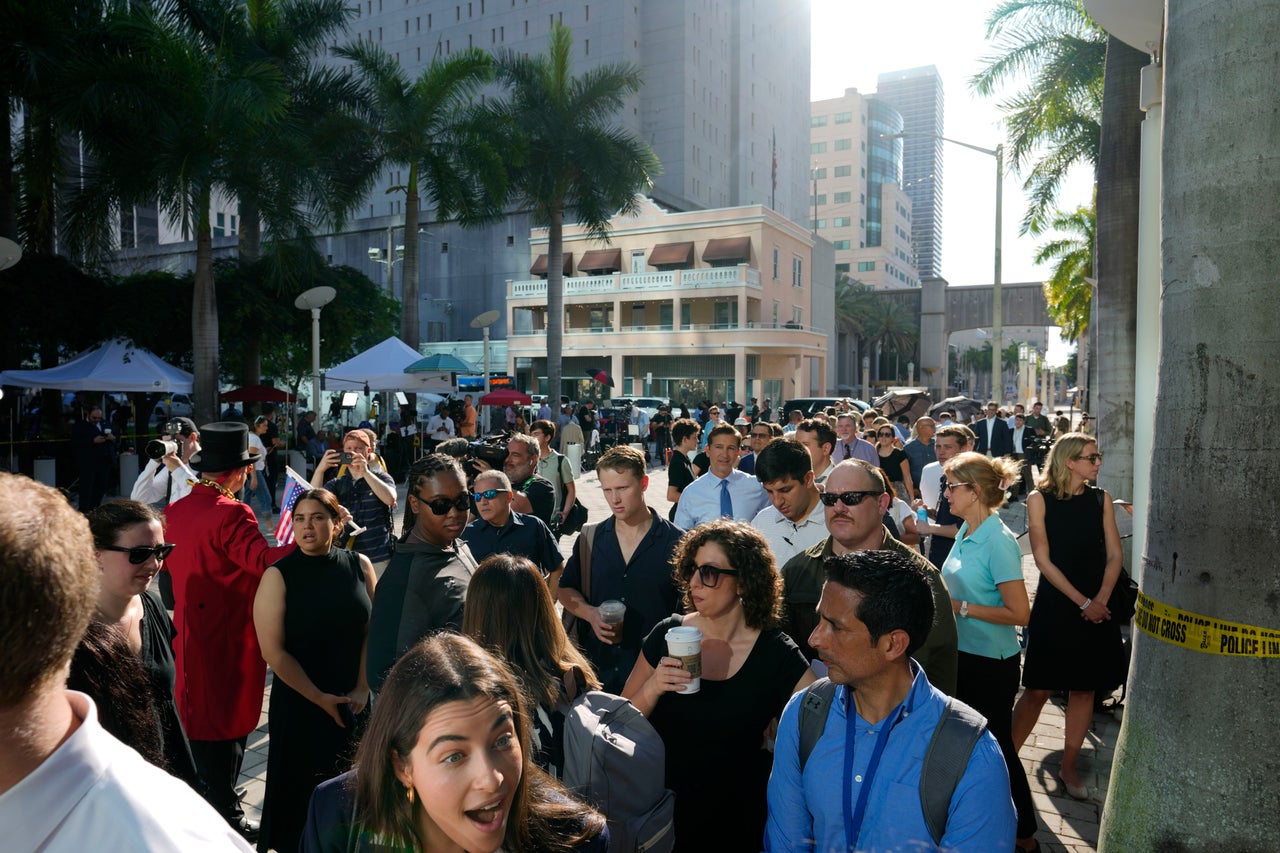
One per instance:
(685, 643)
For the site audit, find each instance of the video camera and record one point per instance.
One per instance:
(491, 450)
(159, 447)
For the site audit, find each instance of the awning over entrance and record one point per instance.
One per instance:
(540, 265)
(671, 255)
(601, 261)
(736, 249)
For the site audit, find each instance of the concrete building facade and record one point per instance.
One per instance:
(722, 304)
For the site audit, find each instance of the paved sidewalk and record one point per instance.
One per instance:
(1066, 824)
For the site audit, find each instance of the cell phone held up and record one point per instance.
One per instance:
(344, 458)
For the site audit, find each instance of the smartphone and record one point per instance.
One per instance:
(344, 458)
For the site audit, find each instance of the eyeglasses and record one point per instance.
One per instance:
(946, 487)
(486, 495)
(846, 498)
(441, 506)
(1093, 458)
(761, 435)
(709, 576)
(715, 411)
(885, 434)
(139, 554)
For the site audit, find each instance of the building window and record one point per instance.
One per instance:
(843, 198)
(818, 225)
(818, 121)
(686, 314)
(725, 314)
(797, 272)
(819, 174)
(840, 244)
(842, 221)
(843, 171)
(664, 316)
(637, 261)
(842, 268)
(775, 263)
(844, 118)
(819, 199)
(866, 266)
(843, 144)
(797, 316)
(817, 148)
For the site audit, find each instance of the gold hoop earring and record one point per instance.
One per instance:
(409, 794)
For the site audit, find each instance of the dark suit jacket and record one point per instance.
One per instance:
(1001, 437)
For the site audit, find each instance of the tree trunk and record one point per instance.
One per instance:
(409, 332)
(1198, 755)
(1119, 159)
(8, 187)
(250, 249)
(555, 303)
(204, 322)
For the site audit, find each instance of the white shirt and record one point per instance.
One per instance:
(929, 490)
(1017, 439)
(95, 793)
(785, 538)
(255, 441)
(822, 478)
(153, 482)
(439, 428)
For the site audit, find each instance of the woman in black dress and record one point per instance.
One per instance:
(717, 763)
(680, 471)
(1072, 642)
(129, 539)
(311, 614)
(893, 459)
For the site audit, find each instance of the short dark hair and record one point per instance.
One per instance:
(782, 458)
(545, 427)
(826, 435)
(895, 590)
(962, 434)
(775, 429)
(684, 428)
(107, 520)
(624, 459)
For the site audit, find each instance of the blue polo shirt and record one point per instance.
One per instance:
(523, 535)
(973, 570)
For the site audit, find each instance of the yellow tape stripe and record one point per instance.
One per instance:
(1204, 633)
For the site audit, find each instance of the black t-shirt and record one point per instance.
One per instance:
(892, 464)
(679, 471)
(542, 497)
(661, 421)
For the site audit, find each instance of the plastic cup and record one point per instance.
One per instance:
(685, 643)
(614, 613)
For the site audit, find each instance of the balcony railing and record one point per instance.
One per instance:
(667, 329)
(694, 279)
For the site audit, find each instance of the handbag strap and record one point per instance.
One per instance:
(587, 537)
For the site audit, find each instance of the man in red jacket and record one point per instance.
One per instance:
(220, 671)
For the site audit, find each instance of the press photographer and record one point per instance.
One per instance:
(368, 494)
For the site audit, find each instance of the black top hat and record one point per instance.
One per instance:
(223, 446)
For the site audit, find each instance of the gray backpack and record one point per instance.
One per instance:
(945, 760)
(614, 758)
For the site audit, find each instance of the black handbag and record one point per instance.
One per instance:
(574, 519)
(1124, 597)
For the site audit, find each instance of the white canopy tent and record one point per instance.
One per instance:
(381, 368)
(113, 366)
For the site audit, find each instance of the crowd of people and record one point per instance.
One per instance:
(827, 605)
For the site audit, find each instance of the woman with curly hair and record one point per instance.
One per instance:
(717, 760)
(445, 764)
(509, 609)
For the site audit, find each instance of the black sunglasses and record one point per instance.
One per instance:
(846, 498)
(139, 554)
(441, 506)
(885, 434)
(486, 495)
(710, 575)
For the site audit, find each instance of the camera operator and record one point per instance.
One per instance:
(166, 478)
(534, 495)
(368, 494)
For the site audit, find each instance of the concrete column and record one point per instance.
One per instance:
(933, 334)
(617, 315)
(740, 391)
(615, 370)
(675, 311)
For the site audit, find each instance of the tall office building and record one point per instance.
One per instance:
(857, 201)
(725, 88)
(916, 94)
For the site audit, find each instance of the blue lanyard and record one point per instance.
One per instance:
(853, 821)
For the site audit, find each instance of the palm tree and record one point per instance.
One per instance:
(430, 126)
(855, 303)
(162, 105)
(890, 327)
(1068, 291)
(1057, 116)
(579, 161)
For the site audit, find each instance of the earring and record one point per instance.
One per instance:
(409, 794)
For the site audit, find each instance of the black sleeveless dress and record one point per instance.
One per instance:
(1064, 651)
(326, 615)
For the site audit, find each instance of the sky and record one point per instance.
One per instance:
(855, 40)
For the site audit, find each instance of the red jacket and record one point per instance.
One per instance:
(220, 558)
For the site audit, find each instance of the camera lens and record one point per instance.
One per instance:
(157, 448)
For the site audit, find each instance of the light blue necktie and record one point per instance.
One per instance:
(726, 503)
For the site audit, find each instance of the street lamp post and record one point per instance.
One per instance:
(997, 306)
(313, 300)
(394, 255)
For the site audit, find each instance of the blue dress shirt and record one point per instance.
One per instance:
(700, 501)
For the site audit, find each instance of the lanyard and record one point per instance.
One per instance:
(853, 821)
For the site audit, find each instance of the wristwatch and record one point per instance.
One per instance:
(964, 610)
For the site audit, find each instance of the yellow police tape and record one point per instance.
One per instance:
(1203, 633)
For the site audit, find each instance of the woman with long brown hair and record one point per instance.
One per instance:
(445, 765)
(510, 611)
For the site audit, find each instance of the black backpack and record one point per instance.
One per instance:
(953, 740)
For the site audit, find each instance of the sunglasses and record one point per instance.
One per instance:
(709, 576)
(846, 498)
(441, 506)
(486, 495)
(761, 435)
(139, 554)
(1095, 458)
(885, 434)
(946, 487)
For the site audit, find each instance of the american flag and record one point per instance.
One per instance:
(294, 485)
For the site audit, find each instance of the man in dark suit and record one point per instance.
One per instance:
(993, 436)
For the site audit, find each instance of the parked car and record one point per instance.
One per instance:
(810, 405)
(175, 405)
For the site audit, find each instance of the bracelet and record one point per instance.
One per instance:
(1086, 604)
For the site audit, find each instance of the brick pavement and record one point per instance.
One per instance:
(1066, 824)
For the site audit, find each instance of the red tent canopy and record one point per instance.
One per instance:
(505, 397)
(258, 394)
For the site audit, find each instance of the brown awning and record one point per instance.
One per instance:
(540, 265)
(736, 249)
(601, 260)
(671, 255)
